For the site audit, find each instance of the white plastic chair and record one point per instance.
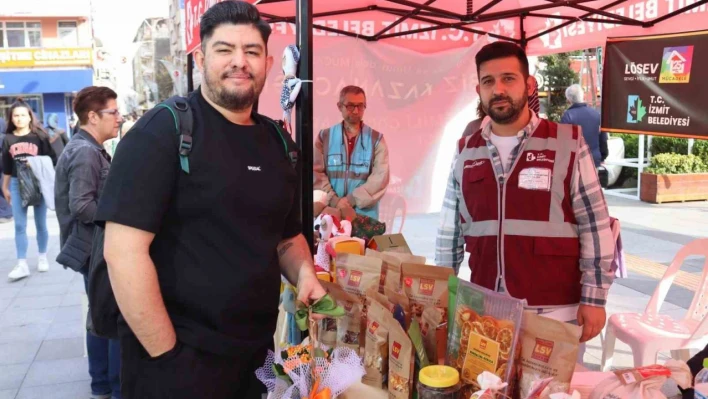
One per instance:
(650, 332)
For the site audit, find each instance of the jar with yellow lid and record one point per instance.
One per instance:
(438, 382)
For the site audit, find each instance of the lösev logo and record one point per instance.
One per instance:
(396, 349)
(373, 327)
(635, 109)
(543, 350)
(676, 64)
(354, 278)
(427, 286)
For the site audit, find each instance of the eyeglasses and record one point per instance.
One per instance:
(113, 112)
(351, 107)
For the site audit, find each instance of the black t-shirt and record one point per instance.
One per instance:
(18, 148)
(216, 228)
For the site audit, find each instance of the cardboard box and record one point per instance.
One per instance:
(390, 243)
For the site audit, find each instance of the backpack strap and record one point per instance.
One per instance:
(291, 150)
(184, 125)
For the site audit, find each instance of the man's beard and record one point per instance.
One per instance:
(233, 99)
(508, 115)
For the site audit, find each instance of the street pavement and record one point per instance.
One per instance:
(42, 317)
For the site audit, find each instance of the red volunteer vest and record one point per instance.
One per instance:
(523, 229)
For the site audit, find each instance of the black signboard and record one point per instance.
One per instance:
(657, 85)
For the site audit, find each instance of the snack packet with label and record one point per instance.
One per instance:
(348, 327)
(376, 346)
(401, 363)
(485, 333)
(357, 274)
(426, 286)
(549, 348)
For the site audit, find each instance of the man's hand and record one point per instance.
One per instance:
(344, 203)
(309, 288)
(6, 194)
(592, 319)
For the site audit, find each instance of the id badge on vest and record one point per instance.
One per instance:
(535, 179)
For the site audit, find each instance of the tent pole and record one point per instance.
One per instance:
(523, 32)
(304, 114)
(190, 73)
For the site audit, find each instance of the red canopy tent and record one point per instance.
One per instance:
(406, 33)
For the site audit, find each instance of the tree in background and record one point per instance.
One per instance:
(557, 76)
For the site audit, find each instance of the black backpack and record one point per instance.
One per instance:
(103, 309)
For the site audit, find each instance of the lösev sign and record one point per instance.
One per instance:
(27, 58)
(657, 85)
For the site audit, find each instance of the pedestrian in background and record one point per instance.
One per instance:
(57, 135)
(588, 119)
(81, 172)
(24, 138)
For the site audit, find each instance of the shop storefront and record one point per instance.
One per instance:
(47, 79)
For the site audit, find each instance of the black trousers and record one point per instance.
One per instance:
(189, 373)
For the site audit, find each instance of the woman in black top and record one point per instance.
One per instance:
(25, 138)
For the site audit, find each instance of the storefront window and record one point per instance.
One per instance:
(68, 33)
(21, 34)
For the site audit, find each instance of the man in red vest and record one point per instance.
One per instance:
(524, 198)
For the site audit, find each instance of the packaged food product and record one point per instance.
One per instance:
(485, 331)
(438, 382)
(376, 344)
(357, 274)
(348, 326)
(406, 258)
(400, 370)
(401, 300)
(426, 286)
(431, 323)
(549, 348)
(416, 337)
(390, 270)
(373, 293)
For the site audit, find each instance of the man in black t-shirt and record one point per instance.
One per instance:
(195, 258)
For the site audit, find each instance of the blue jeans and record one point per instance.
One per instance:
(104, 362)
(20, 215)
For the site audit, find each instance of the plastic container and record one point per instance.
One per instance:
(700, 387)
(439, 382)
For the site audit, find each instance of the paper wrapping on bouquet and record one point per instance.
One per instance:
(311, 371)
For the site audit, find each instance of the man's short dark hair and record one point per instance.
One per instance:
(235, 13)
(92, 98)
(350, 90)
(502, 49)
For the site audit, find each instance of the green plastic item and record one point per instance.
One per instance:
(452, 283)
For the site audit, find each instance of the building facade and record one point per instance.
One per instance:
(46, 55)
(152, 63)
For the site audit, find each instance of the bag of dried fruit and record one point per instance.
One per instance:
(484, 334)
